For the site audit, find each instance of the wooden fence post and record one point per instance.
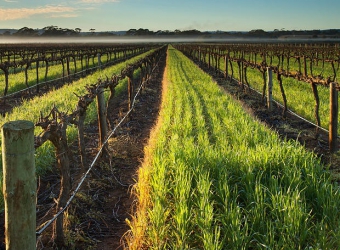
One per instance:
(216, 63)
(333, 118)
(19, 185)
(226, 61)
(209, 61)
(37, 73)
(68, 67)
(101, 108)
(269, 89)
(130, 90)
(99, 61)
(199, 54)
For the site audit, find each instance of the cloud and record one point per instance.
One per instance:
(63, 15)
(21, 13)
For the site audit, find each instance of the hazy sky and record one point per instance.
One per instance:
(226, 15)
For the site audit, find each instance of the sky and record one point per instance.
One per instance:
(203, 15)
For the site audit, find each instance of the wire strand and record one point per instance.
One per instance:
(94, 160)
(60, 78)
(289, 110)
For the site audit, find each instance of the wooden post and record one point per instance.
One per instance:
(62, 63)
(75, 64)
(19, 185)
(317, 106)
(81, 137)
(101, 108)
(226, 67)
(46, 70)
(87, 60)
(6, 81)
(99, 61)
(130, 90)
(68, 66)
(333, 118)
(269, 89)
(37, 73)
(199, 54)
(216, 63)
(209, 61)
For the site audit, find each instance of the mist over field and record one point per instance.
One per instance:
(125, 39)
(164, 39)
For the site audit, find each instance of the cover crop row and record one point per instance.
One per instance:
(305, 72)
(65, 100)
(215, 178)
(29, 75)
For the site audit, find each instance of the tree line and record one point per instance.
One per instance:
(53, 30)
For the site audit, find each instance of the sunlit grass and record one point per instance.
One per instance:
(300, 98)
(17, 78)
(65, 100)
(214, 178)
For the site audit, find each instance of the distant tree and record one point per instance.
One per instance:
(141, 32)
(131, 32)
(6, 33)
(78, 30)
(106, 33)
(257, 32)
(144, 32)
(68, 32)
(331, 32)
(50, 30)
(166, 32)
(55, 31)
(191, 32)
(92, 31)
(25, 31)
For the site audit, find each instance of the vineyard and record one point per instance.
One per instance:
(305, 69)
(28, 66)
(212, 176)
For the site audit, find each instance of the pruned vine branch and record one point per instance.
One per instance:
(55, 125)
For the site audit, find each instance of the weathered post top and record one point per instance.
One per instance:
(19, 184)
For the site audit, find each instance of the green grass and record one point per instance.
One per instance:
(17, 80)
(65, 100)
(300, 98)
(214, 178)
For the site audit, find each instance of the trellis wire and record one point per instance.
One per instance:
(56, 79)
(290, 111)
(93, 162)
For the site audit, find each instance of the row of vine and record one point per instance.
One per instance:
(304, 62)
(24, 57)
(55, 124)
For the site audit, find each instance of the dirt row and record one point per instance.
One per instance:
(290, 127)
(16, 99)
(96, 218)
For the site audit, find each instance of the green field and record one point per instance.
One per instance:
(300, 98)
(55, 70)
(65, 100)
(213, 178)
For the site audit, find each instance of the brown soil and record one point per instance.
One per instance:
(16, 99)
(8, 103)
(96, 217)
(290, 127)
